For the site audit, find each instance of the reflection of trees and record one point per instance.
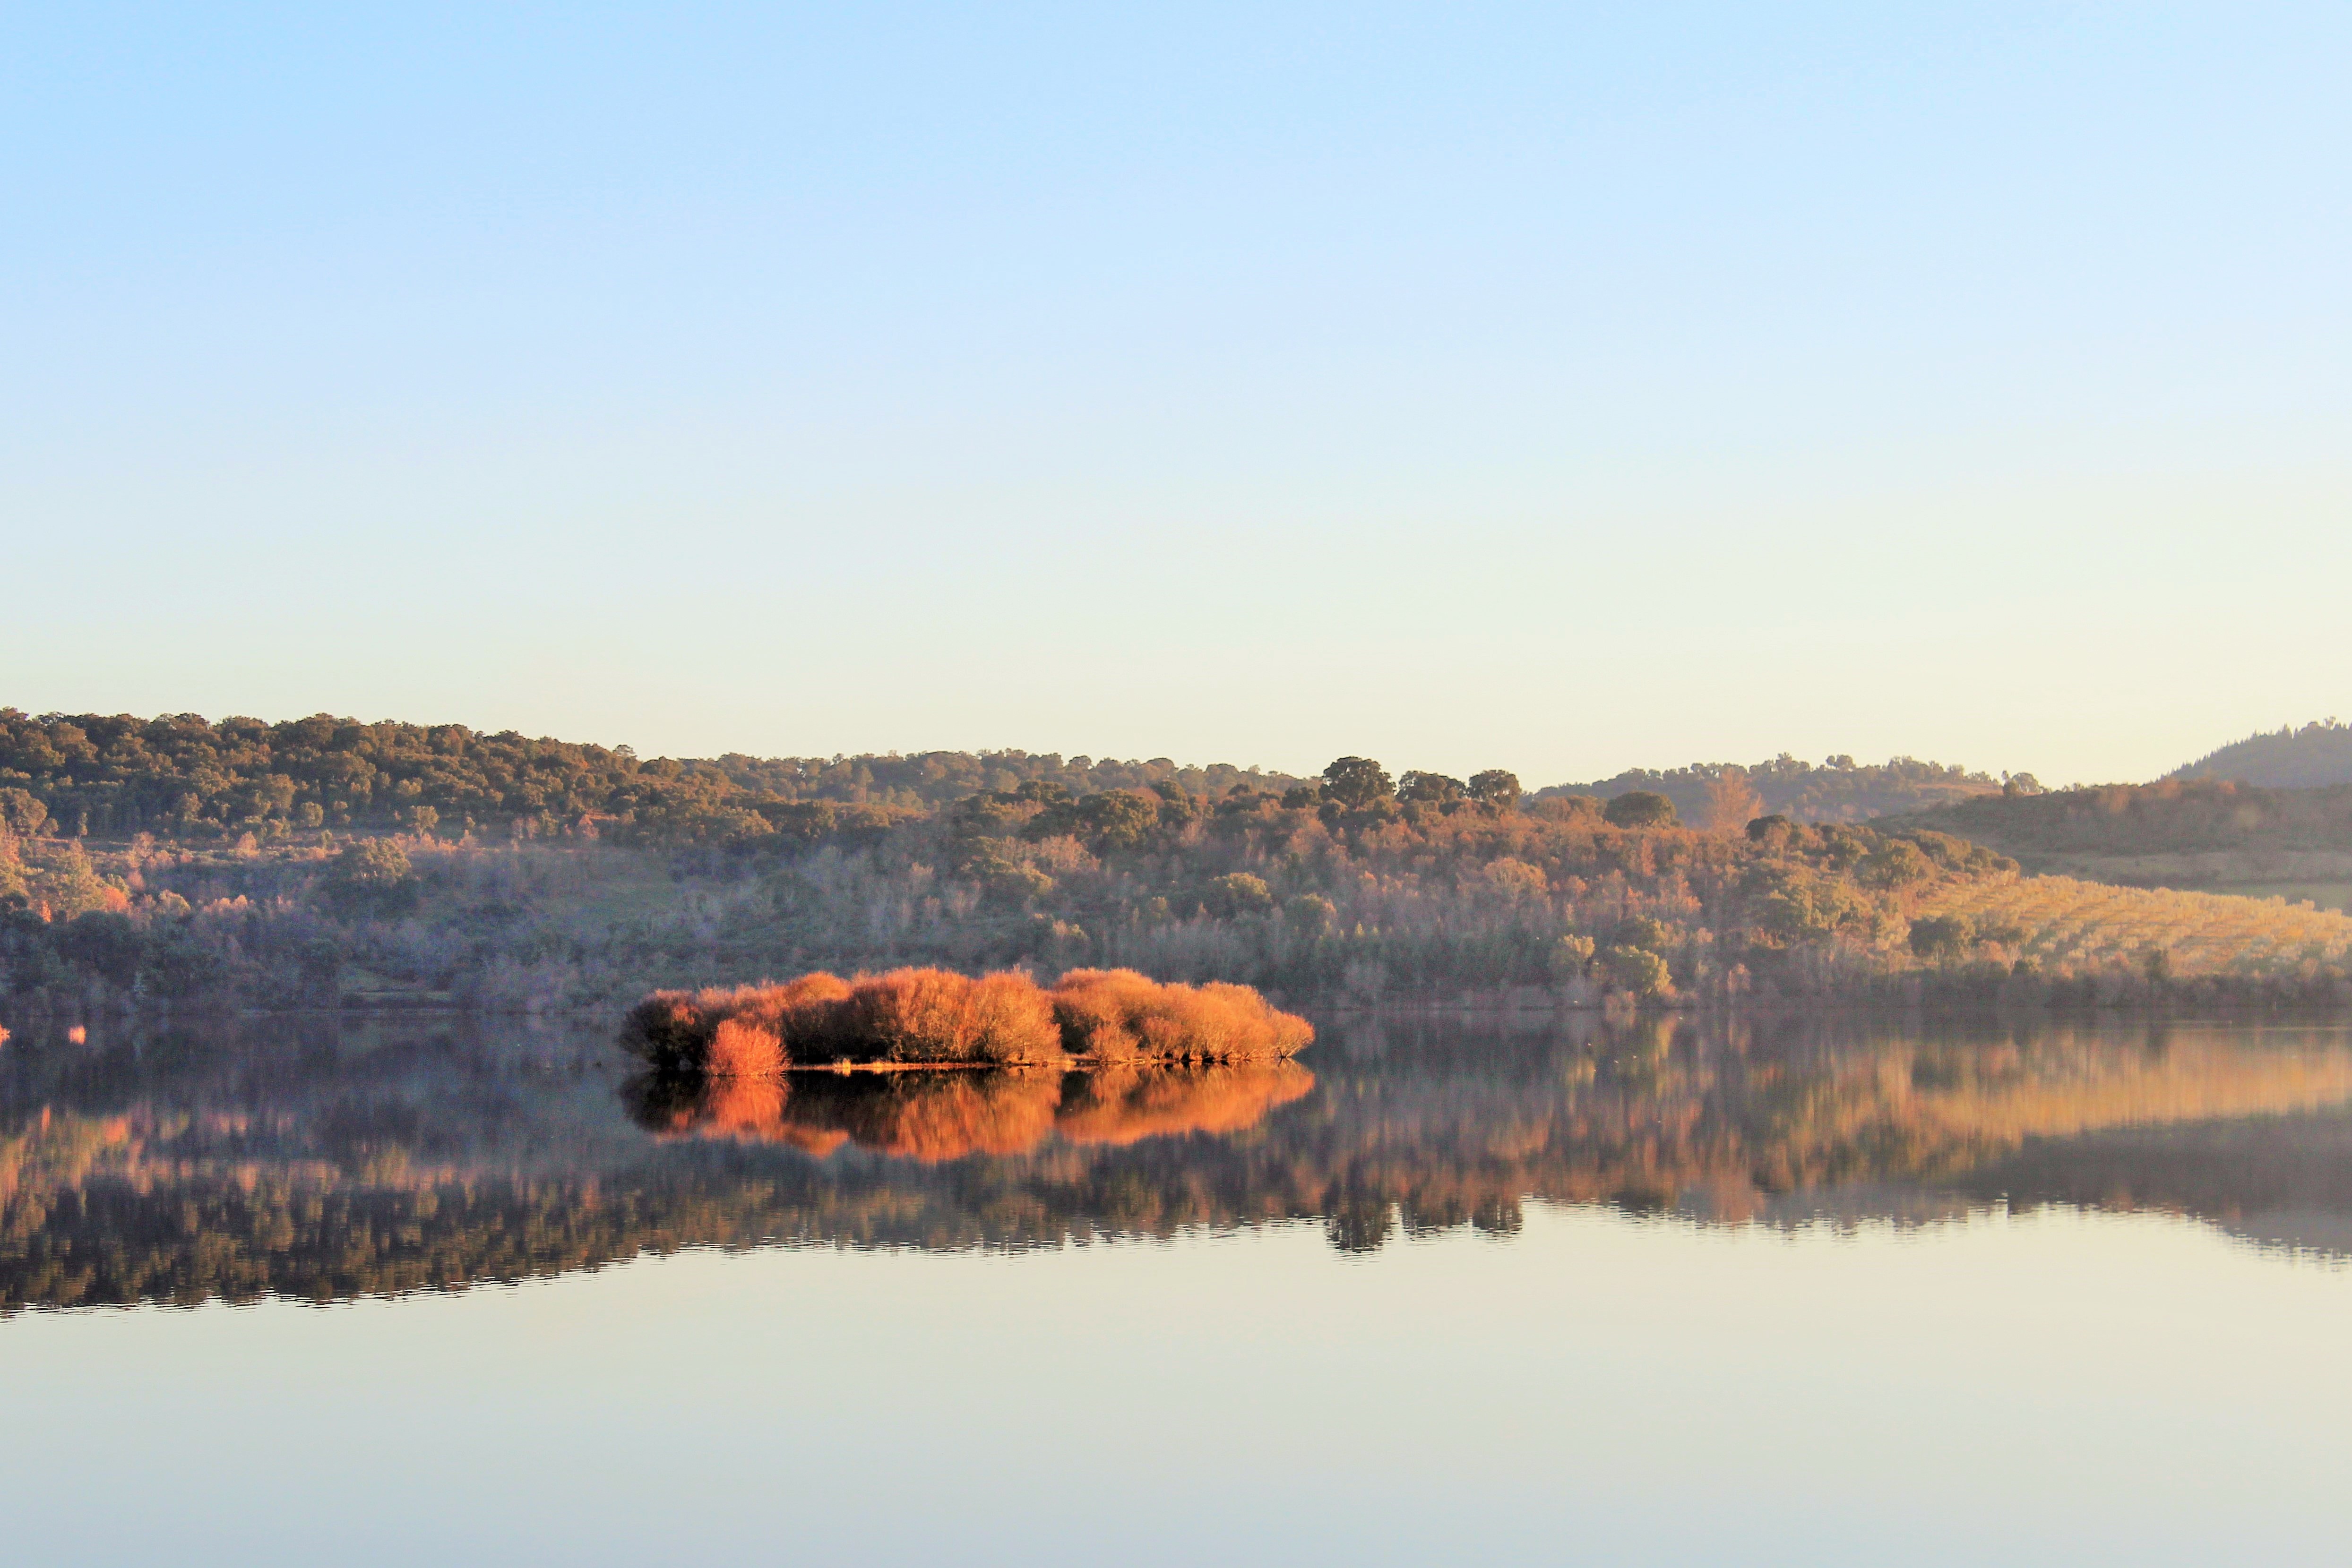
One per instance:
(321, 1162)
(1125, 1105)
(938, 1116)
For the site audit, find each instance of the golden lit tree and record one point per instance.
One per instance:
(1732, 802)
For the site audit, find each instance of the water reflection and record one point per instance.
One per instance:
(322, 1157)
(938, 1116)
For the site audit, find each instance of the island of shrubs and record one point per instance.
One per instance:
(940, 1018)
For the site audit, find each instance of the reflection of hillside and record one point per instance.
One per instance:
(938, 1116)
(1757, 1119)
(2277, 1180)
(320, 1162)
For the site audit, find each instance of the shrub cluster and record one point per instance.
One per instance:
(939, 1016)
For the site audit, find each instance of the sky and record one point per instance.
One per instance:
(1557, 388)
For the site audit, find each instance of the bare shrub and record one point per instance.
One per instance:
(937, 1015)
(1013, 1021)
(1118, 1015)
(742, 1048)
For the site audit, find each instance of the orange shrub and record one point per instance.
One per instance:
(740, 1047)
(1013, 1021)
(912, 1014)
(1118, 1015)
(938, 1016)
(1095, 1009)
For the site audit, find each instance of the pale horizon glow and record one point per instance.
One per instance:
(1542, 388)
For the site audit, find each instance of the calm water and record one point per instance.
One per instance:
(1872, 1292)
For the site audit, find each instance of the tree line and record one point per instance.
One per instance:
(1838, 789)
(182, 777)
(2174, 816)
(1357, 883)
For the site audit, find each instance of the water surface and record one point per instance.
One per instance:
(1934, 1290)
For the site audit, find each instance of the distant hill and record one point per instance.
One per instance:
(181, 776)
(2316, 755)
(1837, 790)
(2215, 834)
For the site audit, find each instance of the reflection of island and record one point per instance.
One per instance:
(323, 1158)
(933, 1117)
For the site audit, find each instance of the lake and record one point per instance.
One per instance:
(371, 1290)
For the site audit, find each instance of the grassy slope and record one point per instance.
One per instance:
(2069, 923)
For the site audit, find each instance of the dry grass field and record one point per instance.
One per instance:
(2071, 926)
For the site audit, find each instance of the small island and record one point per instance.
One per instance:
(940, 1019)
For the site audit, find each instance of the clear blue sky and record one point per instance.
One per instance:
(1542, 387)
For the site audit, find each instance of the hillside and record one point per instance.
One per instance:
(2311, 758)
(2061, 922)
(1368, 897)
(1837, 790)
(1416, 890)
(2215, 835)
(182, 777)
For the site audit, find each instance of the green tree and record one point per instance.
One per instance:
(1640, 931)
(1176, 803)
(1239, 892)
(1641, 809)
(1357, 782)
(1569, 958)
(1496, 789)
(1636, 969)
(72, 886)
(1434, 788)
(1121, 819)
(1895, 863)
(1942, 936)
(21, 812)
(373, 876)
(1313, 913)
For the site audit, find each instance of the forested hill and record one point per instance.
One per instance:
(2210, 833)
(181, 775)
(1837, 790)
(249, 864)
(2175, 817)
(111, 776)
(2311, 758)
